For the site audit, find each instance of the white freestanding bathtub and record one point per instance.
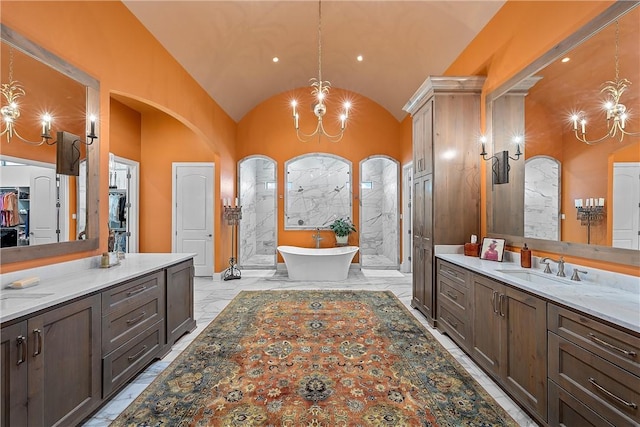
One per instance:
(329, 264)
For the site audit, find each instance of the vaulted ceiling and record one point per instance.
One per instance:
(229, 46)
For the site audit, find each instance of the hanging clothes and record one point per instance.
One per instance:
(10, 212)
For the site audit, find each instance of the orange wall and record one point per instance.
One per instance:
(130, 63)
(268, 130)
(125, 132)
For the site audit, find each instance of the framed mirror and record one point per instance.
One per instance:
(318, 190)
(537, 105)
(48, 84)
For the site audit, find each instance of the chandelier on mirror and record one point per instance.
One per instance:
(11, 93)
(320, 91)
(617, 114)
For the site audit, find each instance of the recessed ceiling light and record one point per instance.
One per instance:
(359, 58)
(275, 59)
(566, 59)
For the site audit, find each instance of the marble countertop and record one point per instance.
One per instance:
(617, 303)
(66, 281)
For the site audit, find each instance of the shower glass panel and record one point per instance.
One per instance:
(379, 213)
(257, 229)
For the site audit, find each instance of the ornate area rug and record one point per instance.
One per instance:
(314, 358)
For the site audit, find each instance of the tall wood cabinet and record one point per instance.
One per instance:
(446, 180)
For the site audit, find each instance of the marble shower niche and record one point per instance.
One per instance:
(379, 216)
(318, 191)
(257, 229)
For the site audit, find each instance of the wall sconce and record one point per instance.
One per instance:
(500, 161)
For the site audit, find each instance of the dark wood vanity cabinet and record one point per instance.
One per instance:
(594, 369)
(133, 332)
(501, 328)
(179, 300)
(454, 302)
(446, 178)
(509, 340)
(59, 365)
(53, 366)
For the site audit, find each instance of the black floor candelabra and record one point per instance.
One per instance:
(233, 215)
(588, 216)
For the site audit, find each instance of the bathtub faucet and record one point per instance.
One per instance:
(317, 237)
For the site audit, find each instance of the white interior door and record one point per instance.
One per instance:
(193, 215)
(43, 216)
(626, 205)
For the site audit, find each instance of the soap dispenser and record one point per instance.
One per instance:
(525, 257)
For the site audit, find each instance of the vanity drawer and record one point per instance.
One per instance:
(565, 410)
(451, 271)
(131, 293)
(453, 293)
(125, 362)
(128, 321)
(607, 389)
(453, 324)
(614, 345)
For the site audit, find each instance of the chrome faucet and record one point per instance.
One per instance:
(317, 237)
(576, 276)
(560, 263)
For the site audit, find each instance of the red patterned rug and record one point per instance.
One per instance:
(314, 358)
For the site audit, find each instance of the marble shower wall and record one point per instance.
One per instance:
(318, 190)
(542, 198)
(257, 231)
(379, 209)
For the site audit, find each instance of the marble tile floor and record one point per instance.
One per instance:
(211, 296)
(377, 262)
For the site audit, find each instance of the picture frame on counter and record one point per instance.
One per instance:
(492, 249)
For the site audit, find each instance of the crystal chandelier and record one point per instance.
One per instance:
(617, 114)
(10, 112)
(11, 92)
(320, 91)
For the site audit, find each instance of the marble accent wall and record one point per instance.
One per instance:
(390, 223)
(379, 210)
(318, 190)
(542, 198)
(257, 230)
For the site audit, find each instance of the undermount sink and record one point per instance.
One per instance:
(536, 277)
(18, 295)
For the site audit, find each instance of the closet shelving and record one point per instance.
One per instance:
(15, 227)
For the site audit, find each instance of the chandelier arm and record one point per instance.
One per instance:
(582, 138)
(320, 131)
(21, 138)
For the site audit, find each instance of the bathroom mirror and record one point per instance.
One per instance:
(52, 85)
(538, 103)
(318, 190)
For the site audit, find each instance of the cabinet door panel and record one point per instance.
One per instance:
(525, 345)
(418, 272)
(180, 317)
(64, 363)
(487, 324)
(13, 376)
